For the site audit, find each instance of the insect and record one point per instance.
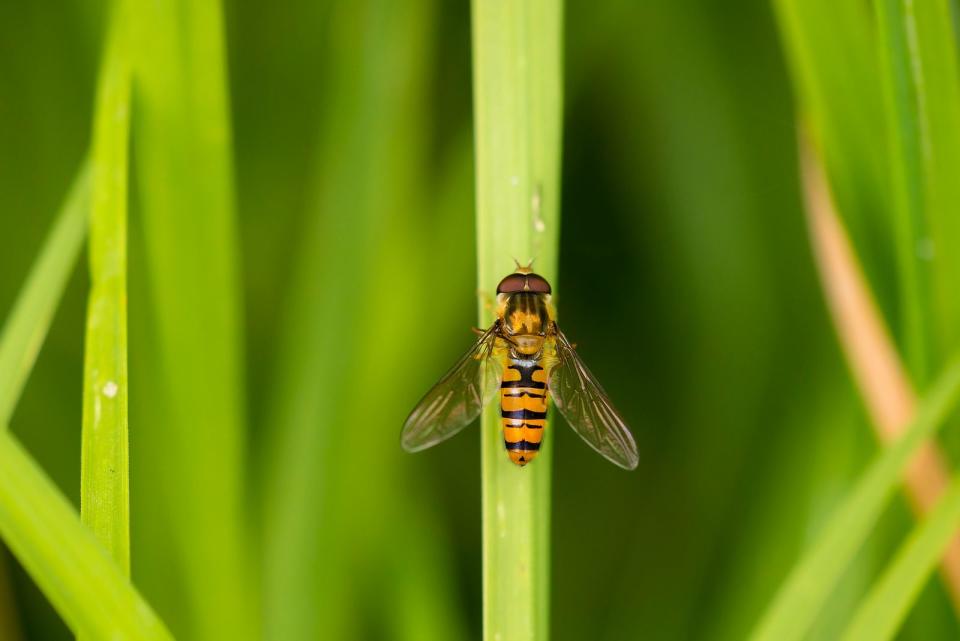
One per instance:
(525, 357)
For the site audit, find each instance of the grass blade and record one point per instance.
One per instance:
(799, 600)
(197, 414)
(935, 70)
(909, 220)
(336, 348)
(517, 111)
(62, 556)
(884, 386)
(27, 324)
(918, 51)
(105, 473)
(886, 606)
(831, 48)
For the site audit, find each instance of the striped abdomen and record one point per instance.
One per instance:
(523, 406)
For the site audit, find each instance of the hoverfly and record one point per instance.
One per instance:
(526, 356)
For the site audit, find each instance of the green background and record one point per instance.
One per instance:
(685, 278)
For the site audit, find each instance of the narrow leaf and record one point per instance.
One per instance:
(28, 323)
(883, 610)
(811, 581)
(517, 111)
(918, 51)
(105, 482)
(62, 556)
(831, 48)
(197, 413)
(897, 55)
(373, 129)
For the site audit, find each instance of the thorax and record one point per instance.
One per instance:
(525, 319)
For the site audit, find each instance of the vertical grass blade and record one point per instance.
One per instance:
(831, 48)
(105, 474)
(64, 558)
(27, 325)
(812, 579)
(910, 224)
(884, 609)
(197, 414)
(344, 341)
(918, 52)
(517, 112)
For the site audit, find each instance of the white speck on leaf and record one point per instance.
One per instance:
(535, 202)
(110, 389)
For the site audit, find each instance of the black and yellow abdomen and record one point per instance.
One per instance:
(523, 408)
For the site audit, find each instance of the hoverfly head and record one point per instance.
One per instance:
(524, 280)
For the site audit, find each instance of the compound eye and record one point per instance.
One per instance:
(512, 284)
(538, 284)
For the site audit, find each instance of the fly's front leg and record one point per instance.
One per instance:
(480, 332)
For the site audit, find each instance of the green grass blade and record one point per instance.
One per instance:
(935, 66)
(918, 50)
(884, 609)
(336, 351)
(800, 598)
(831, 48)
(64, 558)
(27, 325)
(197, 416)
(897, 60)
(517, 111)
(105, 469)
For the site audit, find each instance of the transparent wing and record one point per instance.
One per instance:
(585, 405)
(457, 399)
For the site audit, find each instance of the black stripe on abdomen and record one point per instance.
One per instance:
(524, 446)
(523, 414)
(532, 384)
(526, 376)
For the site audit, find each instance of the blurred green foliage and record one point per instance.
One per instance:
(686, 280)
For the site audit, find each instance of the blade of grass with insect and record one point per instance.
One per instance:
(105, 480)
(28, 322)
(63, 557)
(185, 194)
(517, 115)
(883, 610)
(799, 600)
